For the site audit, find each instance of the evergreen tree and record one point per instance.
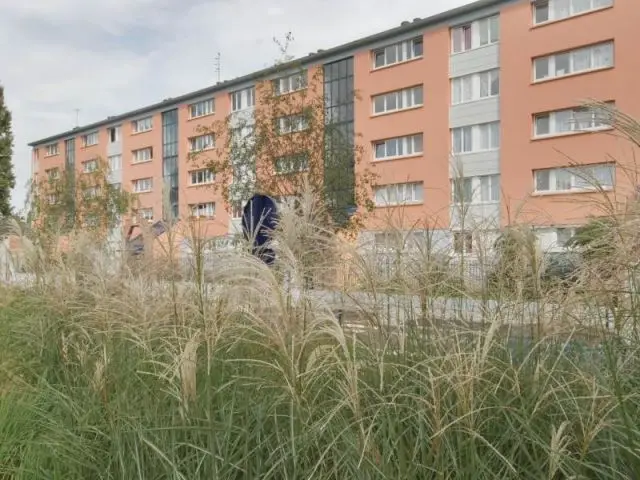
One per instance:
(7, 177)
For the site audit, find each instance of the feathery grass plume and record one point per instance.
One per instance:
(344, 360)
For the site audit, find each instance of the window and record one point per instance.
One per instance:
(292, 123)
(115, 163)
(203, 209)
(142, 125)
(52, 199)
(462, 242)
(579, 178)
(236, 210)
(242, 99)
(51, 149)
(90, 139)
(462, 190)
(579, 119)
(475, 34)
(564, 235)
(114, 134)
(201, 177)
(290, 83)
(476, 138)
(291, 163)
(91, 192)
(143, 155)
(398, 100)
(201, 142)
(90, 166)
(397, 53)
(549, 10)
(480, 189)
(53, 173)
(594, 57)
(399, 193)
(146, 214)
(143, 214)
(202, 108)
(142, 185)
(398, 147)
(475, 87)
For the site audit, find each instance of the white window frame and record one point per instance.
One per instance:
(202, 108)
(206, 209)
(115, 162)
(606, 49)
(398, 100)
(290, 83)
(288, 164)
(202, 143)
(115, 134)
(52, 149)
(574, 123)
(90, 166)
(398, 147)
(91, 192)
(476, 35)
(243, 99)
(397, 53)
(142, 155)
(410, 193)
(146, 214)
(90, 139)
(568, 231)
(143, 185)
(578, 179)
(292, 123)
(476, 137)
(202, 176)
(555, 11)
(470, 88)
(472, 190)
(53, 173)
(142, 125)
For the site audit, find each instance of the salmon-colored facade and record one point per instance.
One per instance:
(486, 96)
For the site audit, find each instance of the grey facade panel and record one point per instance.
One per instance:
(475, 216)
(475, 164)
(114, 148)
(473, 61)
(473, 113)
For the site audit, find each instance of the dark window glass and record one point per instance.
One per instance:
(170, 159)
(417, 47)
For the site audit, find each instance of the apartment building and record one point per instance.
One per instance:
(472, 119)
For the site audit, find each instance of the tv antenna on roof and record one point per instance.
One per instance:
(218, 66)
(77, 110)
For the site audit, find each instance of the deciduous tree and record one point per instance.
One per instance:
(7, 176)
(290, 142)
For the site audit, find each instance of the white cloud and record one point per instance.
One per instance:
(109, 57)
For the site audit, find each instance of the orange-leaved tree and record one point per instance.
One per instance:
(297, 133)
(64, 201)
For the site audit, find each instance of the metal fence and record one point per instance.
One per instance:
(389, 265)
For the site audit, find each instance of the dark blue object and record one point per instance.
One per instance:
(259, 219)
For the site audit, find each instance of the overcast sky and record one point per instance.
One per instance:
(107, 57)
